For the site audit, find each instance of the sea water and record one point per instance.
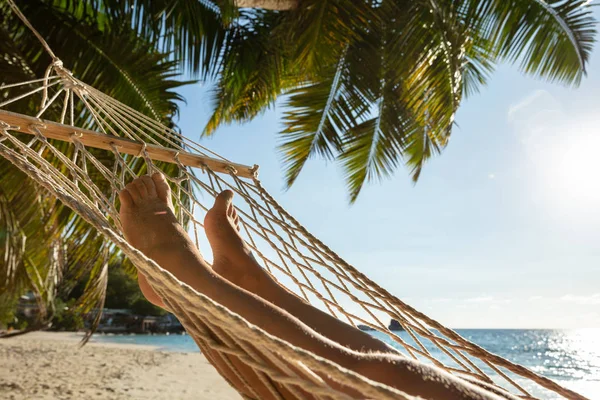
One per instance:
(569, 357)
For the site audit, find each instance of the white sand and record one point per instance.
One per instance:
(46, 366)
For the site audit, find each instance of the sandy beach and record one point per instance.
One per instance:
(45, 365)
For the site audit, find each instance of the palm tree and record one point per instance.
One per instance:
(371, 84)
(44, 246)
(375, 84)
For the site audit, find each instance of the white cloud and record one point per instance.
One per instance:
(470, 300)
(536, 116)
(514, 109)
(591, 299)
(442, 300)
(492, 176)
(480, 299)
(535, 298)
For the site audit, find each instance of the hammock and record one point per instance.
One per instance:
(64, 160)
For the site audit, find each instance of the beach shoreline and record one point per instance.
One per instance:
(53, 365)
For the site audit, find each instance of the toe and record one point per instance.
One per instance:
(223, 202)
(126, 199)
(236, 219)
(149, 184)
(163, 191)
(133, 191)
(141, 188)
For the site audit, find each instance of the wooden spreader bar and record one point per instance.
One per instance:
(54, 130)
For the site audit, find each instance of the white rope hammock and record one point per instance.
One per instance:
(64, 160)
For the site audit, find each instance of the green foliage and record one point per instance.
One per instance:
(9, 317)
(21, 323)
(67, 316)
(375, 85)
(124, 292)
(8, 306)
(109, 56)
(141, 306)
(192, 31)
(251, 70)
(46, 246)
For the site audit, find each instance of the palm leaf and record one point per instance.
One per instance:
(552, 40)
(311, 127)
(193, 31)
(254, 71)
(318, 31)
(116, 61)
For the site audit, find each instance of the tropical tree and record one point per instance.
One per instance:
(376, 84)
(44, 247)
(370, 84)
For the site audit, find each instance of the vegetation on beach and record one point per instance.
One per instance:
(122, 293)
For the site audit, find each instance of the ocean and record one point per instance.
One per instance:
(570, 357)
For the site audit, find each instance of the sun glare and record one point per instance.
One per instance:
(571, 170)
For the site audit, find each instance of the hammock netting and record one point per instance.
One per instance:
(83, 146)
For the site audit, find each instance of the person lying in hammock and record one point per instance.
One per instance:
(239, 283)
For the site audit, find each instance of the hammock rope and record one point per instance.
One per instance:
(85, 162)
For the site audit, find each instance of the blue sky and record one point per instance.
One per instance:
(501, 231)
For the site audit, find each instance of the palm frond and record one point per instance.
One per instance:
(254, 71)
(320, 30)
(123, 65)
(192, 31)
(434, 41)
(374, 148)
(12, 241)
(95, 291)
(552, 40)
(314, 122)
(430, 53)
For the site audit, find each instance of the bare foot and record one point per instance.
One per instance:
(233, 260)
(149, 223)
(146, 210)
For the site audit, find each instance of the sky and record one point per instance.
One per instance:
(501, 231)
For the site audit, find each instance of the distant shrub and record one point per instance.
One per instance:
(143, 307)
(8, 306)
(67, 316)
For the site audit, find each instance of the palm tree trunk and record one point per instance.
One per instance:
(268, 4)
